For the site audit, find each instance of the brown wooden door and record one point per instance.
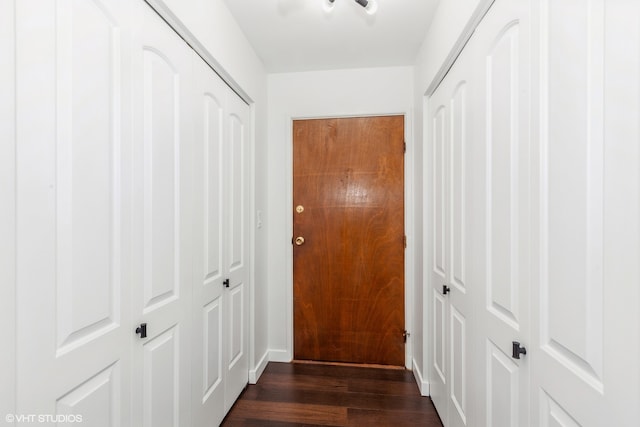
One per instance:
(348, 274)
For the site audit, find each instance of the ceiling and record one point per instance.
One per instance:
(303, 35)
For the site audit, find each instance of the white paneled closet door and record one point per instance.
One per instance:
(220, 290)
(162, 223)
(586, 213)
(73, 209)
(209, 115)
(500, 237)
(236, 261)
(480, 188)
(452, 294)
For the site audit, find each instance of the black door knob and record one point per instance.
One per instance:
(142, 330)
(517, 350)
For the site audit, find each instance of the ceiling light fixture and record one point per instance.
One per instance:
(370, 6)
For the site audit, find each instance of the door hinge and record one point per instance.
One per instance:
(405, 334)
(404, 147)
(404, 240)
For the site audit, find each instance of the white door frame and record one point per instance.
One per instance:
(7, 212)
(409, 227)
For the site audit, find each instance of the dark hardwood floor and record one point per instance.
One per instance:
(300, 394)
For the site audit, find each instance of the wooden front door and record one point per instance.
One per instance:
(348, 224)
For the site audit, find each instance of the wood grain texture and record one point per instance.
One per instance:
(349, 273)
(328, 395)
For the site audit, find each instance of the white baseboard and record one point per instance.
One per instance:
(423, 385)
(254, 374)
(279, 356)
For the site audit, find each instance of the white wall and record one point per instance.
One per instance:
(7, 211)
(213, 32)
(445, 35)
(320, 94)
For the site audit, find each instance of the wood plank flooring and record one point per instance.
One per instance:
(296, 394)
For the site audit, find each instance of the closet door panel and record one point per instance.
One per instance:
(209, 316)
(235, 210)
(161, 229)
(73, 189)
(161, 180)
(459, 128)
(163, 215)
(461, 294)
(503, 192)
(88, 168)
(439, 337)
(452, 307)
(98, 399)
(237, 245)
(503, 401)
(439, 124)
(439, 119)
(161, 376)
(503, 44)
(586, 184)
(572, 196)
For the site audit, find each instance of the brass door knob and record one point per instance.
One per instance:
(299, 240)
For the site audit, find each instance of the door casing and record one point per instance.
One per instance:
(409, 220)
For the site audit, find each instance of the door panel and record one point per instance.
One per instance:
(348, 181)
(162, 148)
(220, 357)
(209, 249)
(453, 318)
(459, 117)
(503, 388)
(236, 241)
(552, 414)
(440, 136)
(460, 304)
(572, 199)
(586, 213)
(212, 347)
(503, 196)
(480, 210)
(8, 362)
(439, 376)
(236, 188)
(502, 124)
(459, 339)
(98, 396)
(73, 182)
(440, 343)
(163, 153)
(552, 220)
(161, 392)
(106, 214)
(87, 174)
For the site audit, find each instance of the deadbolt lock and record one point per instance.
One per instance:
(299, 209)
(299, 240)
